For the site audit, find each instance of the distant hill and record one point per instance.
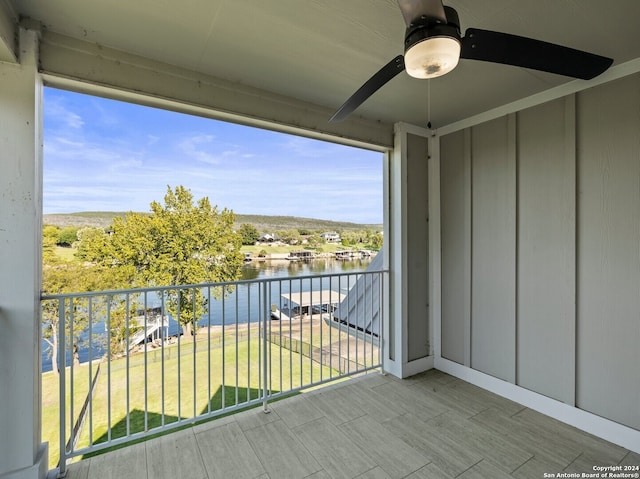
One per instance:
(96, 219)
(264, 224)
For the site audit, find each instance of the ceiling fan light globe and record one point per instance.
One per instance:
(432, 57)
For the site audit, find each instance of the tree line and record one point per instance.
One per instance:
(313, 239)
(72, 236)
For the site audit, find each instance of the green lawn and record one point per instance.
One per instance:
(51, 408)
(196, 389)
(65, 254)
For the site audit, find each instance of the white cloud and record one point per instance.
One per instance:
(192, 147)
(57, 112)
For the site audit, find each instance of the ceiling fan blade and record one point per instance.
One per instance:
(371, 86)
(524, 52)
(413, 9)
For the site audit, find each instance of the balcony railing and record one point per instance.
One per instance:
(142, 361)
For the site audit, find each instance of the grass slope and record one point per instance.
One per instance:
(173, 384)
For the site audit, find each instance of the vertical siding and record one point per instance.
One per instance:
(493, 268)
(553, 273)
(418, 247)
(455, 203)
(546, 249)
(608, 373)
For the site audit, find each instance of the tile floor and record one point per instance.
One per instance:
(430, 426)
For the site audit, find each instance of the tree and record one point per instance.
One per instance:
(179, 243)
(350, 238)
(60, 277)
(49, 242)
(67, 236)
(315, 241)
(92, 243)
(376, 241)
(249, 234)
(291, 237)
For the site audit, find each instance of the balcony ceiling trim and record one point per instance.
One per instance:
(90, 68)
(8, 32)
(614, 73)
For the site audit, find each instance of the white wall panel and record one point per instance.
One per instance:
(493, 249)
(546, 249)
(550, 257)
(417, 247)
(455, 204)
(608, 340)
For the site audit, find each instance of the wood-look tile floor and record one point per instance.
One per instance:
(430, 426)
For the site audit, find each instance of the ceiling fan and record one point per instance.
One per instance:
(433, 45)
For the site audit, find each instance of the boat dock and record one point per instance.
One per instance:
(303, 303)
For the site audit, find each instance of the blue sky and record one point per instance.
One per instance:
(105, 155)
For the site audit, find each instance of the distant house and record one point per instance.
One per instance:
(268, 238)
(331, 237)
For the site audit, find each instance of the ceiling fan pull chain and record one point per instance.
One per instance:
(429, 103)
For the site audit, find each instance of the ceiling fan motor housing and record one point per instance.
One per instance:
(424, 27)
(441, 53)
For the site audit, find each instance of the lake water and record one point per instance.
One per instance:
(243, 303)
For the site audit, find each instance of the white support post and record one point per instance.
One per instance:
(22, 456)
(407, 333)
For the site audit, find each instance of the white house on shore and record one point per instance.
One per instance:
(331, 237)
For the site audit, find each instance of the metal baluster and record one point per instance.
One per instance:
(340, 361)
(249, 328)
(265, 405)
(164, 335)
(62, 372)
(128, 355)
(267, 319)
(71, 369)
(371, 296)
(195, 347)
(348, 327)
(178, 317)
(357, 331)
(237, 344)
(224, 364)
(90, 312)
(260, 342)
(109, 299)
(321, 323)
(300, 325)
(209, 349)
(290, 336)
(311, 331)
(381, 321)
(279, 331)
(146, 370)
(331, 322)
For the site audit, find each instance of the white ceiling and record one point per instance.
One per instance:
(321, 51)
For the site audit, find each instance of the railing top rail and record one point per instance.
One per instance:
(149, 289)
